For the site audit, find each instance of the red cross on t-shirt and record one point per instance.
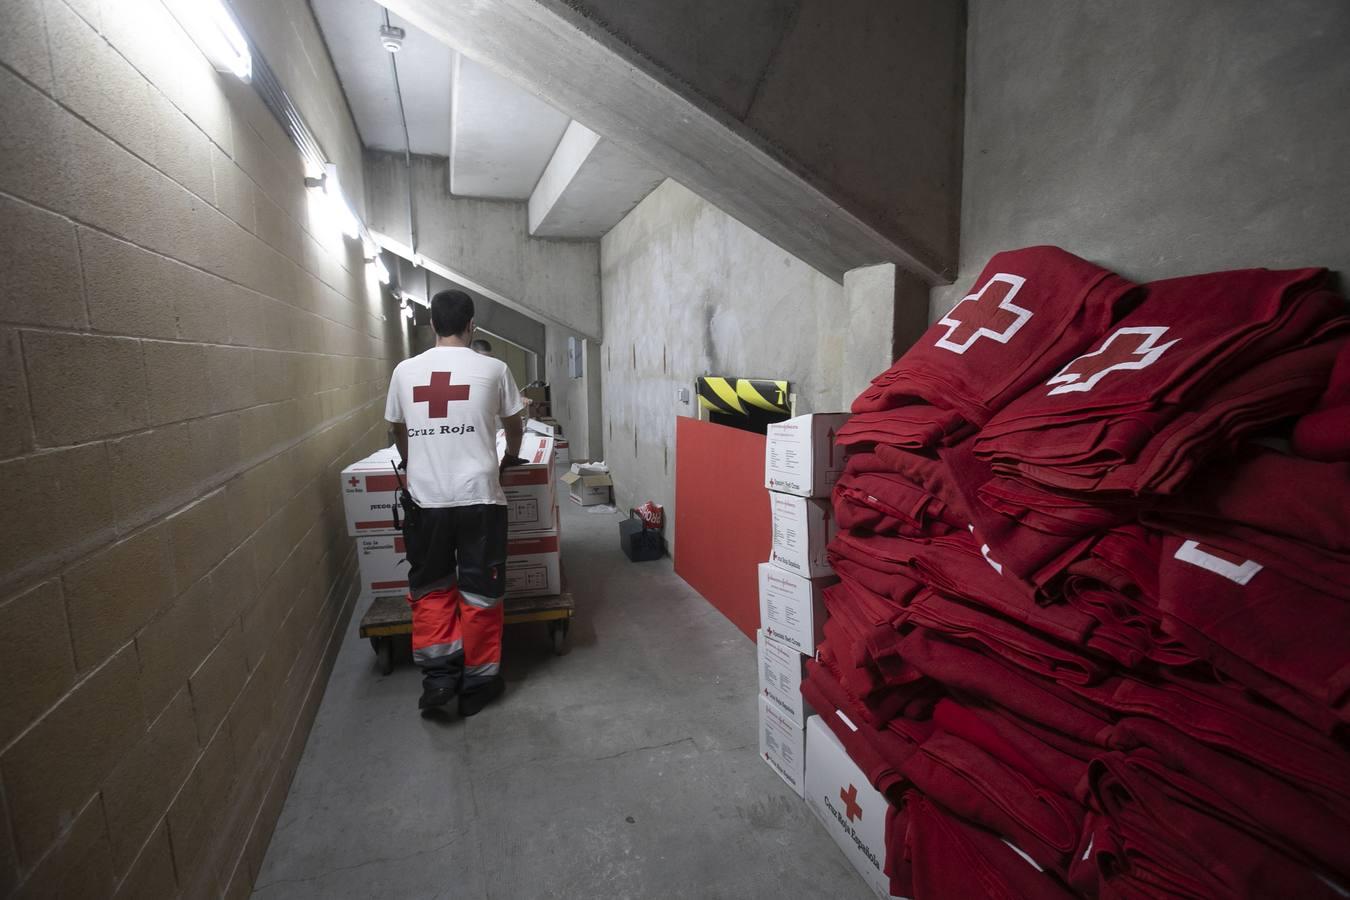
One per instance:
(438, 393)
(851, 808)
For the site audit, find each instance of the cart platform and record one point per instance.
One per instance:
(390, 617)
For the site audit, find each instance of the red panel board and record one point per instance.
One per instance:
(722, 526)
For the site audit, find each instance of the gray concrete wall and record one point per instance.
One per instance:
(830, 126)
(690, 291)
(487, 242)
(1158, 138)
(571, 406)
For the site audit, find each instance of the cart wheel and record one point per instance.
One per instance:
(384, 655)
(557, 630)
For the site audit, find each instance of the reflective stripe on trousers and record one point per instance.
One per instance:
(447, 622)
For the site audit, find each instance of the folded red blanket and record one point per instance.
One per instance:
(1291, 514)
(949, 858)
(1300, 822)
(1282, 639)
(1102, 409)
(1030, 311)
(1324, 433)
(1150, 842)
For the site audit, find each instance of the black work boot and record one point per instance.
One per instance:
(435, 697)
(472, 702)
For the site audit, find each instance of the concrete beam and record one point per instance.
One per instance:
(836, 134)
(483, 244)
(588, 186)
(517, 327)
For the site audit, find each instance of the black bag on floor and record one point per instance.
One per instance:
(640, 543)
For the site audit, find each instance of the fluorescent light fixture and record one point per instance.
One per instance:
(214, 30)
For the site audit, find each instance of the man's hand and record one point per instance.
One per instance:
(515, 431)
(510, 460)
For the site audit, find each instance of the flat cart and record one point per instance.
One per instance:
(390, 617)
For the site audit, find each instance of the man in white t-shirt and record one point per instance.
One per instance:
(446, 405)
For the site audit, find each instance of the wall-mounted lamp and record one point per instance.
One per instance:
(338, 208)
(381, 270)
(214, 30)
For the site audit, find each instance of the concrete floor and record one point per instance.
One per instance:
(626, 768)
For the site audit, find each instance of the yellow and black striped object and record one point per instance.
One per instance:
(743, 396)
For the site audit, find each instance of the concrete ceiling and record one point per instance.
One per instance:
(426, 77)
(500, 139)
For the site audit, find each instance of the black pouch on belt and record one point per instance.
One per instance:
(411, 511)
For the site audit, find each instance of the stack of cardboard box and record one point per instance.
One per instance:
(533, 566)
(801, 466)
(800, 470)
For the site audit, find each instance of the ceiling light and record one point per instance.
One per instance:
(391, 37)
(214, 30)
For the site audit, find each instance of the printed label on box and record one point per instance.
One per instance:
(791, 610)
(780, 677)
(782, 744)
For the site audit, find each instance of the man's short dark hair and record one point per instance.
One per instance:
(451, 313)
(480, 346)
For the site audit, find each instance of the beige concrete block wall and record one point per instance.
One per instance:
(187, 359)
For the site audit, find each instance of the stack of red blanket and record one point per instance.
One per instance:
(1092, 629)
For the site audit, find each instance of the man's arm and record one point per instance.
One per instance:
(401, 440)
(515, 430)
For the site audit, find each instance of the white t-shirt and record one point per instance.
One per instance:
(452, 401)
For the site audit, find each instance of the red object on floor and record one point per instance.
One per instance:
(723, 528)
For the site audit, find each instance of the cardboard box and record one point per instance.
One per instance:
(802, 528)
(537, 392)
(590, 490)
(791, 610)
(781, 669)
(782, 744)
(531, 495)
(539, 426)
(383, 567)
(562, 451)
(533, 565)
(852, 811)
(800, 456)
(369, 492)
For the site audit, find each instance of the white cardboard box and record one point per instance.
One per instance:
(548, 429)
(562, 451)
(369, 492)
(780, 678)
(782, 744)
(380, 558)
(590, 490)
(791, 610)
(531, 493)
(800, 456)
(533, 567)
(802, 528)
(852, 811)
